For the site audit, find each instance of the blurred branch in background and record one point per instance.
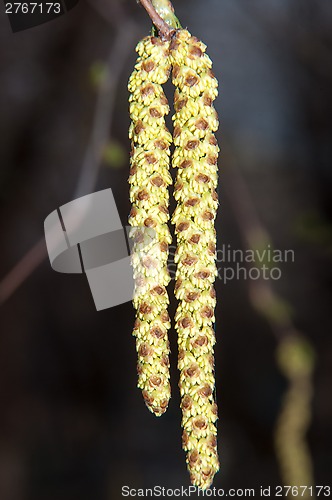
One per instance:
(301, 36)
(295, 355)
(22, 270)
(126, 30)
(106, 98)
(295, 359)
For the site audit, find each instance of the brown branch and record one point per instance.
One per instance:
(165, 31)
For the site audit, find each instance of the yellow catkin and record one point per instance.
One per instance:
(149, 179)
(195, 157)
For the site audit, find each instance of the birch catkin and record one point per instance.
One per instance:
(149, 180)
(195, 157)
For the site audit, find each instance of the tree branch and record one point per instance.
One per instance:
(165, 30)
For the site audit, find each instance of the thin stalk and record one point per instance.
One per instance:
(162, 15)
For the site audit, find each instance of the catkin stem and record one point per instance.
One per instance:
(166, 11)
(162, 15)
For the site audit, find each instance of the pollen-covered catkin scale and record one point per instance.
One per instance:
(149, 179)
(195, 157)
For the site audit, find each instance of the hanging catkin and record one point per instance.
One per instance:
(195, 157)
(149, 180)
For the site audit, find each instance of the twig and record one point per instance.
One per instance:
(166, 32)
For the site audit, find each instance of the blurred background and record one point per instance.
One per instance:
(73, 425)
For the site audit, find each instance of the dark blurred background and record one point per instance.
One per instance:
(73, 425)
